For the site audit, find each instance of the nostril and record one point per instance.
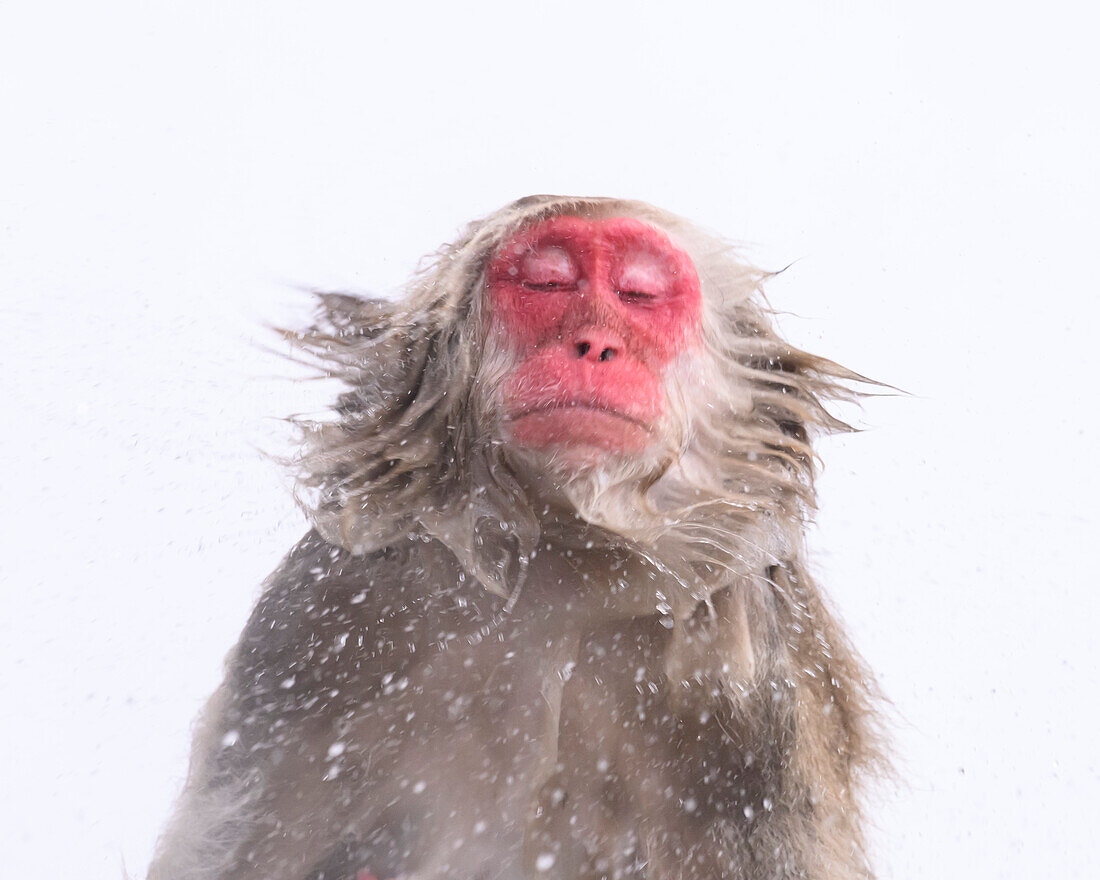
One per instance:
(582, 348)
(607, 354)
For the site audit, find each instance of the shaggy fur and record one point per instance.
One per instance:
(705, 676)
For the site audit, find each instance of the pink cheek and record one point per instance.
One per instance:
(666, 334)
(525, 320)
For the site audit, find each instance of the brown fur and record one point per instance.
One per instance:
(449, 678)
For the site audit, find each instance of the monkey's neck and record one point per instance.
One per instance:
(586, 573)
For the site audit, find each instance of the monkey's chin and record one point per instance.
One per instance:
(580, 434)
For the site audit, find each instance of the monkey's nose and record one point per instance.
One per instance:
(596, 345)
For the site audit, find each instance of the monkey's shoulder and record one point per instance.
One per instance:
(328, 622)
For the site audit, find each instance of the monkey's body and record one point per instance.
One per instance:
(554, 620)
(385, 713)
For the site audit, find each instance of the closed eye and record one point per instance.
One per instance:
(639, 297)
(546, 285)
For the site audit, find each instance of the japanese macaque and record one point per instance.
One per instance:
(553, 619)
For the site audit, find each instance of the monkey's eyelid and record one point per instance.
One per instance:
(637, 295)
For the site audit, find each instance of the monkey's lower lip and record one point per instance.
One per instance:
(579, 426)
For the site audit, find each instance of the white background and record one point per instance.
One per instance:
(172, 173)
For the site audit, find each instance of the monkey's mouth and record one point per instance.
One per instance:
(579, 425)
(582, 405)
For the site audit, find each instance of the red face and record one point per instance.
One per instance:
(595, 311)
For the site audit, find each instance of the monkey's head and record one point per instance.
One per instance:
(594, 354)
(592, 314)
